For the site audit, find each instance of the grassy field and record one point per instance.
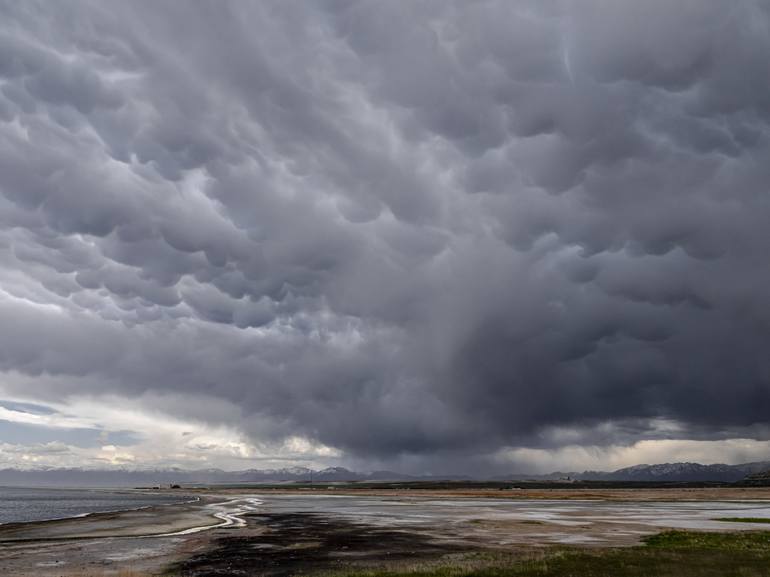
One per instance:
(669, 554)
(743, 519)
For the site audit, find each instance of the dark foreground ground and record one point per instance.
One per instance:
(669, 554)
(301, 543)
(307, 544)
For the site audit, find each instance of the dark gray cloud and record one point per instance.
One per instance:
(397, 228)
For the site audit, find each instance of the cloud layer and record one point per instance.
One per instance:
(403, 230)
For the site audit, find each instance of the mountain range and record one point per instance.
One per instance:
(144, 477)
(666, 472)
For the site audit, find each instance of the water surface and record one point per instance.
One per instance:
(20, 504)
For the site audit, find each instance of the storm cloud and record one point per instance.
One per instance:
(404, 230)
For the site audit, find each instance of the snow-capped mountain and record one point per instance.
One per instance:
(153, 477)
(758, 472)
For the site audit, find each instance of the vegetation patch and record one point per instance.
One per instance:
(693, 540)
(668, 554)
(743, 519)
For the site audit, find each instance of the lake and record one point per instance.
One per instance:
(21, 504)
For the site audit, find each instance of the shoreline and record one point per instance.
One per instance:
(194, 499)
(229, 518)
(261, 525)
(213, 508)
(166, 519)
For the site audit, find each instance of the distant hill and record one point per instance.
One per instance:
(665, 472)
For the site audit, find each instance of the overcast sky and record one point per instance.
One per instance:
(431, 236)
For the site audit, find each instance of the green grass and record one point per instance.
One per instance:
(743, 519)
(758, 541)
(668, 554)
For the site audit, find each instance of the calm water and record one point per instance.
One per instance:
(21, 504)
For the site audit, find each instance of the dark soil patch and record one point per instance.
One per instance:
(301, 543)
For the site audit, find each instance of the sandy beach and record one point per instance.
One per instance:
(285, 531)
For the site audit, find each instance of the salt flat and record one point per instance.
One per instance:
(335, 527)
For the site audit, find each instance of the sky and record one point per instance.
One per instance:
(442, 236)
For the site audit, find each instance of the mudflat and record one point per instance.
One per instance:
(263, 531)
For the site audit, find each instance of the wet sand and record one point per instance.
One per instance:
(284, 532)
(283, 544)
(108, 543)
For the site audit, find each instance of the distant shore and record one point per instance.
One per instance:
(508, 491)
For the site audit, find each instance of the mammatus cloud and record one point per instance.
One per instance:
(433, 232)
